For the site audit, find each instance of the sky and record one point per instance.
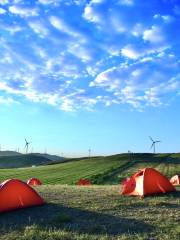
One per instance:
(89, 74)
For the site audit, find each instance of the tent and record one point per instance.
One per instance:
(34, 182)
(84, 182)
(15, 194)
(146, 181)
(175, 180)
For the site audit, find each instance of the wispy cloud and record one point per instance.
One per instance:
(80, 54)
(137, 84)
(23, 11)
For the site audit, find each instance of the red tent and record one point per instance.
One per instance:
(147, 181)
(175, 180)
(34, 182)
(15, 194)
(84, 182)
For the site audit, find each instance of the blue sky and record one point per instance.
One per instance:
(99, 74)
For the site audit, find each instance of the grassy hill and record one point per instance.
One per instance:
(100, 170)
(94, 213)
(50, 157)
(22, 160)
(9, 153)
(12, 159)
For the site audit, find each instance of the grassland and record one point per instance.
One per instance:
(94, 213)
(97, 212)
(100, 170)
(67, 173)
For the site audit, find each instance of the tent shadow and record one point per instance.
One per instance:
(175, 194)
(71, 219)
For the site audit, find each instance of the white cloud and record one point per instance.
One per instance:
(46, 2)
(80, 52)
(118, 25)
(63, 27)
(23, 11)
(39, 28)
(91, 14)
(137, 30)
(130, 52)
(97, 1)
(154, 35)
(4, 2)
(107, 79)
(67, 104)
(165, 18)
(6, 59)
(2, 11)
(92, 70)
(135, 52)
(52, 2)
(60, 58)
(58, 23)
(136, 84)
(40, 52)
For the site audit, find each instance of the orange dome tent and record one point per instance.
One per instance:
(34, 182)
(15, 194)
(82, 182)
(147, 181)
(175, 180)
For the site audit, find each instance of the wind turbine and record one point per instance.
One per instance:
(153, 144)
(130, 155)
(89, 150)
(26, 145)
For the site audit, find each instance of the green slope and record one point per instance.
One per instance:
(67, 173)
(100, 170)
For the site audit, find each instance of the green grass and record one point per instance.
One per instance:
(94, 213)
(67, 173)
(100, 170)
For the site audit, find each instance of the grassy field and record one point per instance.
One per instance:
(67, 173)
(94, 213)
(97, 212)
(100, 170)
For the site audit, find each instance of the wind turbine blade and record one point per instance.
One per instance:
(152, 145)
(157, 141)
(151, 139)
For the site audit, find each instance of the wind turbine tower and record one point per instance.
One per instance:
(89, 150)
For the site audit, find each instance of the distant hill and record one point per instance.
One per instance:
(49, 156)
(9, 153)
(13, 159)
(22, 160)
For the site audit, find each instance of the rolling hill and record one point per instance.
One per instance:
(9, 153)
(22, 160)
(12, 159)
(50, 156)
(100, 170)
